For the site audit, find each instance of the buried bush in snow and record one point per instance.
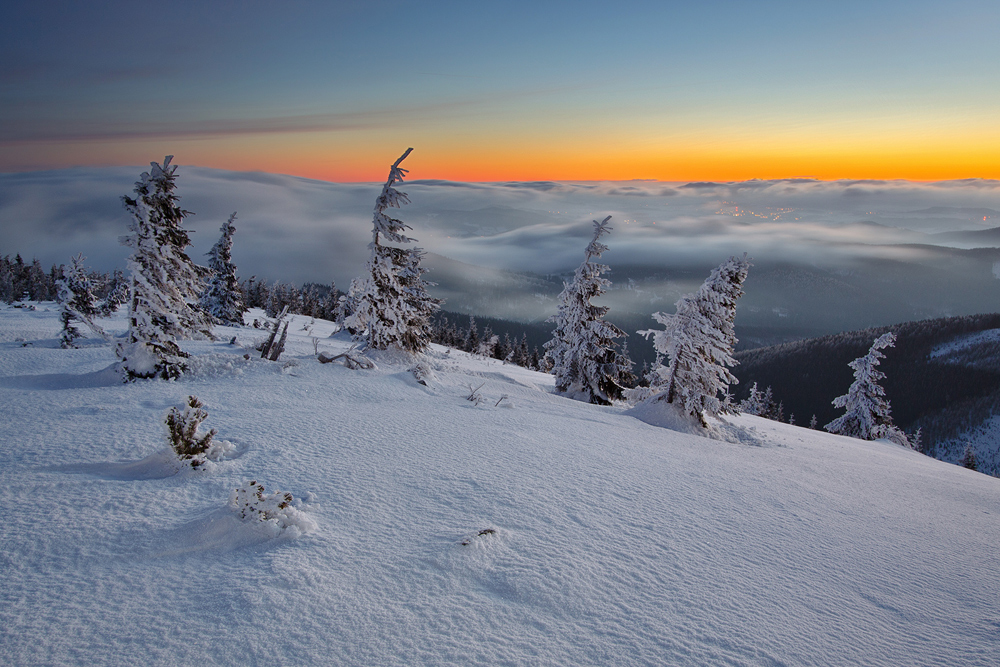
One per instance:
(251, 504)
(474, 395)
(186, 439)
(351, 359)
(421, 373)
(484, 533)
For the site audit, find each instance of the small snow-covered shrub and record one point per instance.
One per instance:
(186, 439)
(251, 504)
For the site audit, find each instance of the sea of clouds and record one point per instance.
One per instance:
(297, 230)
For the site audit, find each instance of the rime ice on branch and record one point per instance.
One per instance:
(391, 306)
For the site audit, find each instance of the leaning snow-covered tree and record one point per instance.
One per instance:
(586, 361)
(76, 302)
(699, 340)
(223, 299)
(391, 305)
(165, 285)
(868, 415)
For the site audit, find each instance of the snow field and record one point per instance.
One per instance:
(616, 542)
(965, 342)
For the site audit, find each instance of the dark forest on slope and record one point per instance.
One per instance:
(943, 396)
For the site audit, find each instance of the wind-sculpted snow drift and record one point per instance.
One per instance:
(613, 541)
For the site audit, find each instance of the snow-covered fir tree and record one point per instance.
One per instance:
(471, 341)
(117, 293)
(754, 403)
(762, 403)
(585, 359)
(328, 307)
(165, 285)
(868, 415)
(699, 340)
(346, 305)
(76, 302)
(223, 298)
(392, 307)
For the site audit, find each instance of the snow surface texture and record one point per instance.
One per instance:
(540, 531)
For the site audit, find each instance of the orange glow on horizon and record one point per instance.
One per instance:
(614, 159)
(568, 159)
(679, 168)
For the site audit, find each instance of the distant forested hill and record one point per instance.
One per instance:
(943, 376)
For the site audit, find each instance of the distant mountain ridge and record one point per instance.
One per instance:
(981, 237)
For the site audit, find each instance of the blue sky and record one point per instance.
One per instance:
(512, 91)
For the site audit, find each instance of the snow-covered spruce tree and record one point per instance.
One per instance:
(754, 403)
(699, 340)
(76, 302)
(117, 289)
(223, 298)
(392, 307)
(164, 283)
(868, 415)
(471, 341)
(586, 361)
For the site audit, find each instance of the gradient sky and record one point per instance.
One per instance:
(507, 91)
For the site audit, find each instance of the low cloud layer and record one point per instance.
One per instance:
(298, 230)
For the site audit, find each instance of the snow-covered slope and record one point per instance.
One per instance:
(613, 541)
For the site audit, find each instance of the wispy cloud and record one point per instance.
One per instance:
(24, 129)
(29, 132)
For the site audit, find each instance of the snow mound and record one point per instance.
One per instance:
(219, 364)
(670, 416)
(158, 465)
